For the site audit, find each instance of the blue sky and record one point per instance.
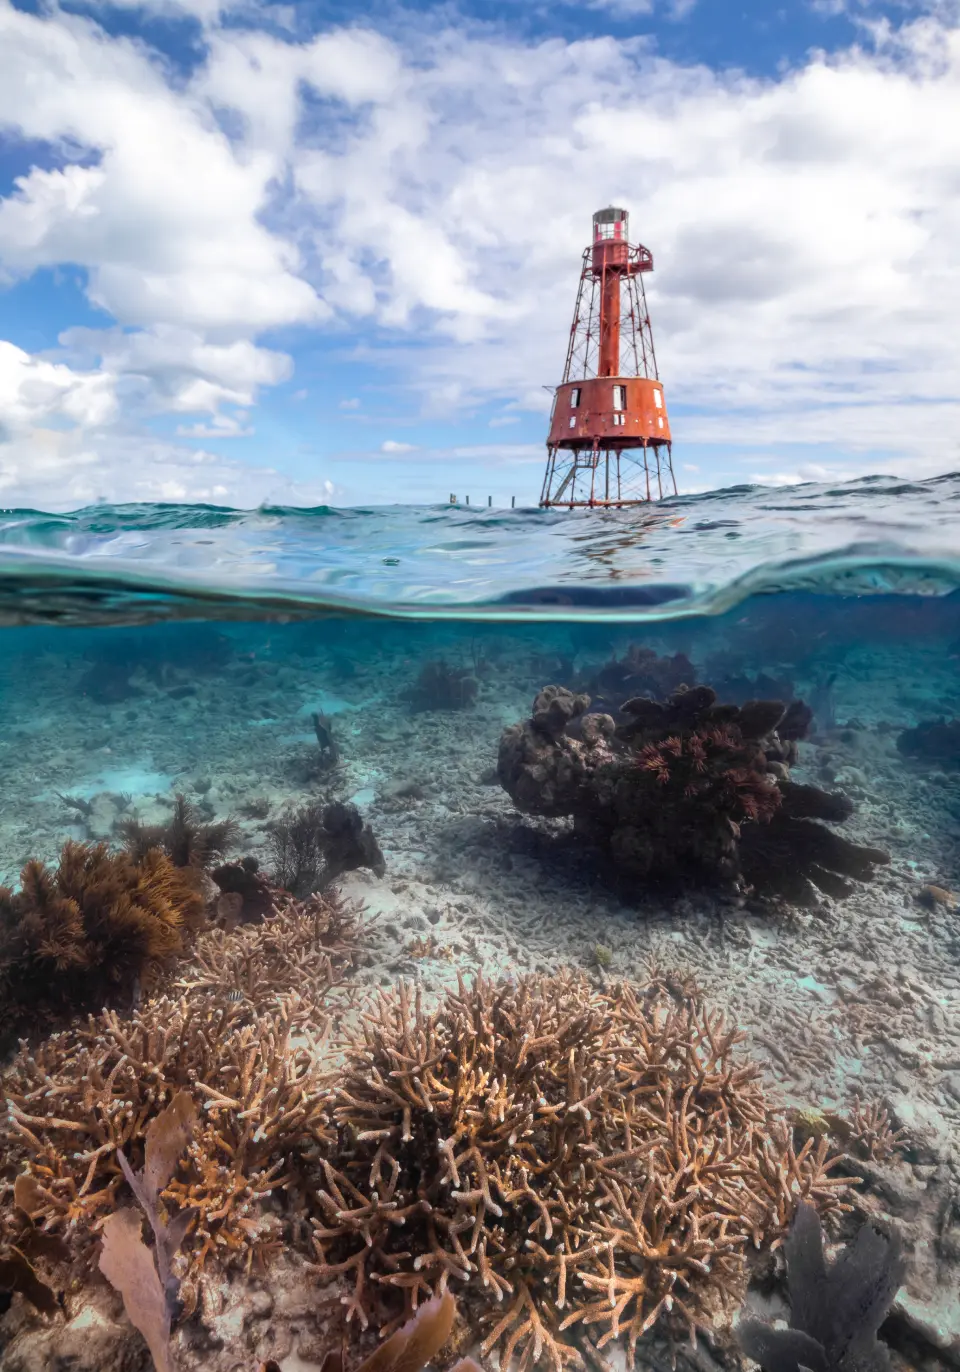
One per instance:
(305, 253)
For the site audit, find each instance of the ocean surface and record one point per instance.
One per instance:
(744, 778)
(690, 555)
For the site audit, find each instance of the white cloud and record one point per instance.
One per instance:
(175, 370)
(166, 222)
(622, 9)
(32, 390)
(63, 443)
(392, 446)
(805, 229)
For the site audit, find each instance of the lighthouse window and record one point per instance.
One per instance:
(573, 421)
(575, 397)
(620, 418)
(658, 399)
(619, 397)
(660, 422)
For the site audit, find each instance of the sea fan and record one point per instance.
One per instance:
(836, 1308)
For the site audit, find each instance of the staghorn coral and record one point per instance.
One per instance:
(90, 932)
(569, 1157)
(184, 838)
(442, 687)
(871, 1134)
(302, 944)
(81, 1096)
(684, 790)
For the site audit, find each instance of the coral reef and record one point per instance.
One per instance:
(90, 933)
(684, 790)
(245, 894)
(301, 944)
(935, 741)
(145, 1277)
(568, 1157)
(836, 1308)
(160, 654)
(640, 672)
(314, 844)
(186, 840)
(442, 687)
(85, 1094)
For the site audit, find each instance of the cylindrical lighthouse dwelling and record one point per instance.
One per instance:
(609, 441)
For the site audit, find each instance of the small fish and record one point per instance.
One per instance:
(235, 996)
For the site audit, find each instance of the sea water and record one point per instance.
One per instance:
(151, 651)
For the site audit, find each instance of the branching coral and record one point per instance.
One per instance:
(571, 1157)
(310, 944)
(685, 790)
(82, 1095)
(872, 1134)
(442, 687)
(90, 932)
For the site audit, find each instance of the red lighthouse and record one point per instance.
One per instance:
(609, 440)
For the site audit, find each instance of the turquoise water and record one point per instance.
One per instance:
(390, 661)
(690, 555)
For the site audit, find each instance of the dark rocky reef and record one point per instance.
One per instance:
(640, 672)
(162, 655)
(934, 741)
(442, 687)
(687, 790)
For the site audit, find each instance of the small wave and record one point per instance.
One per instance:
(693, 555)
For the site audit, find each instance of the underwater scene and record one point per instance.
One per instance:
(492, 939)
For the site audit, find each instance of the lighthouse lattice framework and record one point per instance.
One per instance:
(609, 442)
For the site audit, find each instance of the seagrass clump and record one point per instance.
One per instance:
(570, 1159)
(257, 1080)
(90, 932)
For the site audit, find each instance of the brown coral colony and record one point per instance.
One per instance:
(570, 1158)
(685, 789)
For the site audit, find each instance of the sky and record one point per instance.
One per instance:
(328, 252)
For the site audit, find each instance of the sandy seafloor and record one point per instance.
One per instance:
(860, 998)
